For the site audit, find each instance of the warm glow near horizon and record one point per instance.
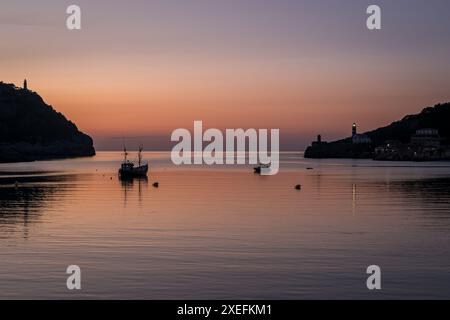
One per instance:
(305, 67)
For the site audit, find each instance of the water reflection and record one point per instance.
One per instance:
(380, 193)
(428, 198)
(228, 225)
(436, 190)
(128, 185)
(25, 197)
(433, 195)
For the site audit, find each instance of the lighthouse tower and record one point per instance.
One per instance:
(354, 130)
(25, 85)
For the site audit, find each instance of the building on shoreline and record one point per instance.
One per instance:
(426, 138)
(425, 145)
(319, 141)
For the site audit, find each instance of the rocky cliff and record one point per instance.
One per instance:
(32, 130)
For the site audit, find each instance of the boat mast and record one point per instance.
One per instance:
(141, 147)
(125, 154)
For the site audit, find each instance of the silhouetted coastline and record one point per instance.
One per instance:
(31, 130)
(420, 137)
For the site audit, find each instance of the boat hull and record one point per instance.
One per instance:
(262, 169)
(134, 172)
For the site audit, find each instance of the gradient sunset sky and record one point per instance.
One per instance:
(139, 69)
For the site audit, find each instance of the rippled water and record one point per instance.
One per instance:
(223, 232)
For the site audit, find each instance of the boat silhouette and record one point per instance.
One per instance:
(262, 167)
(129, 170)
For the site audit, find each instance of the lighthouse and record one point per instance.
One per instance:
(359, 138)
(25, 85)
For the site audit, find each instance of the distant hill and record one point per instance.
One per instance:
(437, 117)
(32, 130)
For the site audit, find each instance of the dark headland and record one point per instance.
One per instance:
(31, 130)
(420, 137)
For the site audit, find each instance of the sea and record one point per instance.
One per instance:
(223, 232)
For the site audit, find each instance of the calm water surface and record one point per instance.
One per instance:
(221, 232)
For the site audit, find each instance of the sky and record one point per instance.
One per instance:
(139, 69)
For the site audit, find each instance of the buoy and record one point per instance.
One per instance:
(156, 185)
(298, 187)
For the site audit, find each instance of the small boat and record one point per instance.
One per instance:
(129, 170)
(261, 167)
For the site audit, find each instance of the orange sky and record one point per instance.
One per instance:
(135, 74)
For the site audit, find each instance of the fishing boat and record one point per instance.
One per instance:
(129, 170)
(262, 167)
